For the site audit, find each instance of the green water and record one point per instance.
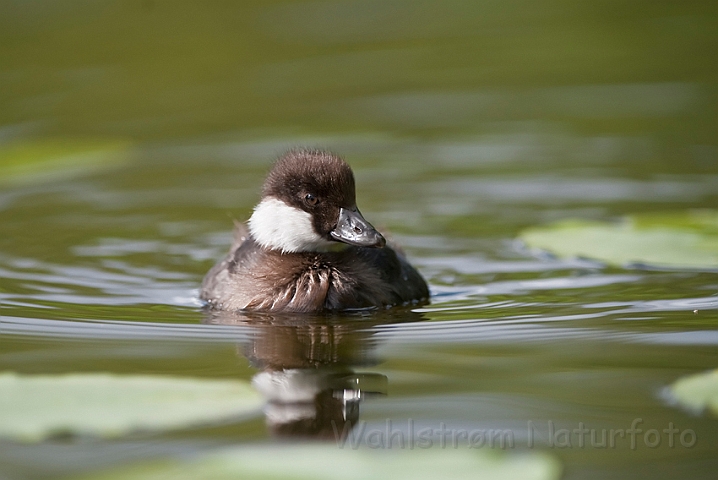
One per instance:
(148, 126)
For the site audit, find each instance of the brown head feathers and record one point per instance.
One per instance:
(315, 172)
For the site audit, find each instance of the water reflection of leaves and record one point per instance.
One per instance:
(59, 158)
(35, 407)
(684, 240)
(697, 392)
(330, 462)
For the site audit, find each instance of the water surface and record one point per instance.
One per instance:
(464, 124)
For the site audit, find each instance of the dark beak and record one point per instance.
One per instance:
(353, 229)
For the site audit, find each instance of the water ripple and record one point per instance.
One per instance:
(89, 285)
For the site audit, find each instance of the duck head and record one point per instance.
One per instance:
(309, 203)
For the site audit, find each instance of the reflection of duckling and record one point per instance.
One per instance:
(307, 372)
(282, 263)
(318, 403)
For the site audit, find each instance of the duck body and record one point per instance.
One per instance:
(287, 260)
(253, 278)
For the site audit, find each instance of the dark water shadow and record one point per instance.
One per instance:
(307, 367)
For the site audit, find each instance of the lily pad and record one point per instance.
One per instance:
(34, 407)
(52, 158)
(697, 392)
(677, 240)
(317, 462)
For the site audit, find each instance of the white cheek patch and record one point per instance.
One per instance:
(278, 226)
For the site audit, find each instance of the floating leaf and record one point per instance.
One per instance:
(33, 407)
(697, 392)
(680, 240)
(317, 462)
(52, 158)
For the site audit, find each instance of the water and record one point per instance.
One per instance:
(464, 124)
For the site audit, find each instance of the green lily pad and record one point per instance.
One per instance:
(678, 240)
(52, 158)
(33, 407)
(697, 392)
(328, 461)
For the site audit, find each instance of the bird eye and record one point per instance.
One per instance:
(311, 199)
